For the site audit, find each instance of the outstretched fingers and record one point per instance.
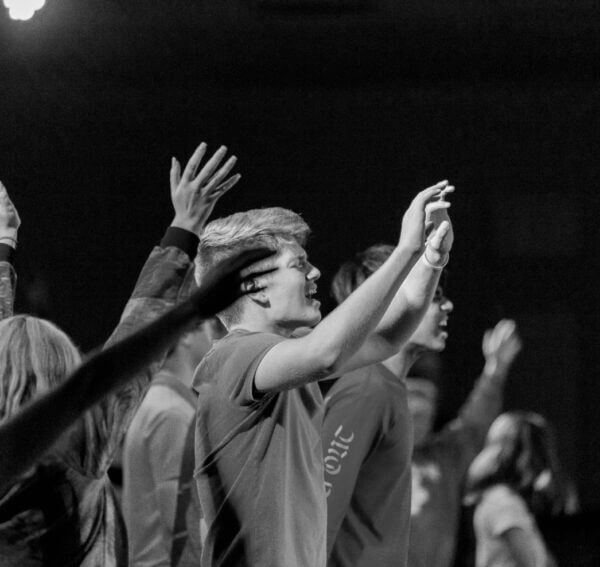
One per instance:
(432, 192)
(175, 174)
(439, 235)
(221, 174)
(211, 166)
(192, 165)
(220, 190)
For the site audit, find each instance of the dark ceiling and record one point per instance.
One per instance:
(291, 41)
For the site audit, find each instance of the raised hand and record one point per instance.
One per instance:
(221, 285)
(193, 194)
(422, 207)
(500, 346)
(9, 219)
(435, 216)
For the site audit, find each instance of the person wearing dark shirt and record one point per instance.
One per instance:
(259, 461)
(367, 437)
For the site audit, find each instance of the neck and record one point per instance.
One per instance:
(262, 326)
(400, 363)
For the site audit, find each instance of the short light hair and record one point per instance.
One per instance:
(35, 356)
(226, 237)
(354, 272)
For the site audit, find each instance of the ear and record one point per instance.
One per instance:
(255, 290)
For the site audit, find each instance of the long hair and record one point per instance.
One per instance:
(522, 454)
(35, 355)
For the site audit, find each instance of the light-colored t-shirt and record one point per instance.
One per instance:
(259, 462)
(153, 479)
(499, 510)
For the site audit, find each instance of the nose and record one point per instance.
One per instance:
(313, 273)
(446, 305)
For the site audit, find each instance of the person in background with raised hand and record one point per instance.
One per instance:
(441, 460)
(259, 460)
(9, 227)
(63, 511)
(515, 476)
(161, 513)
(367, 430)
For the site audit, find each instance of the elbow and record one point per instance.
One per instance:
(330, 360)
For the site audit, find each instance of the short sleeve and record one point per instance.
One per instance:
(502, 510)
(231, 365)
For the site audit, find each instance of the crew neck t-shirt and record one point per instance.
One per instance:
(157, 500)
(499, 510)
(259, 462)
(367, 439)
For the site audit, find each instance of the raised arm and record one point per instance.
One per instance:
(416, 292)
(326, 350)
(500, 347)
(161, 284)
(9, 227)
(43, 421)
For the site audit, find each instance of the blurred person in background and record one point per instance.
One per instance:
(160, 505)
(516, 475)
(440, 460)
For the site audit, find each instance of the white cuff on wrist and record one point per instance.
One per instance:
(431, 264)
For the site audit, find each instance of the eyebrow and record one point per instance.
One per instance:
(302, 257)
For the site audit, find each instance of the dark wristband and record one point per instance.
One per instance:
(6, 253)
(180, 238)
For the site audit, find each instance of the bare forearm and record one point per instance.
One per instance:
(485, 401)
(408, 306)
(342, 333)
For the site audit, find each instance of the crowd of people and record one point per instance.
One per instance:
(234, 454)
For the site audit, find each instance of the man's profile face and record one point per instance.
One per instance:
(290, 290)
(432, 332)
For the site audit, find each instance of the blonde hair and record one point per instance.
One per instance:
(226, 237)
(35, 355)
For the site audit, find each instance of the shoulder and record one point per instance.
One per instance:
(501, 508)
(361, 392)
(366, 383)
(233, 360)
(161, 405)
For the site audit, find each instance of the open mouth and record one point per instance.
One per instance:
(311, 292)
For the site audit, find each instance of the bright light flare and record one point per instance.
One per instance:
(23, 9)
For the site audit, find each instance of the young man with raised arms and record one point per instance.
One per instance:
(258, 429)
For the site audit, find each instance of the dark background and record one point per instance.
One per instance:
(340, 110)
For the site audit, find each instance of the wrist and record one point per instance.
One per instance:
(435, 259)
(9, 238)
(494, 368)
(191, 225)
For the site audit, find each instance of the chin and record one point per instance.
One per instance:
(315, 319)
(438, 344)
